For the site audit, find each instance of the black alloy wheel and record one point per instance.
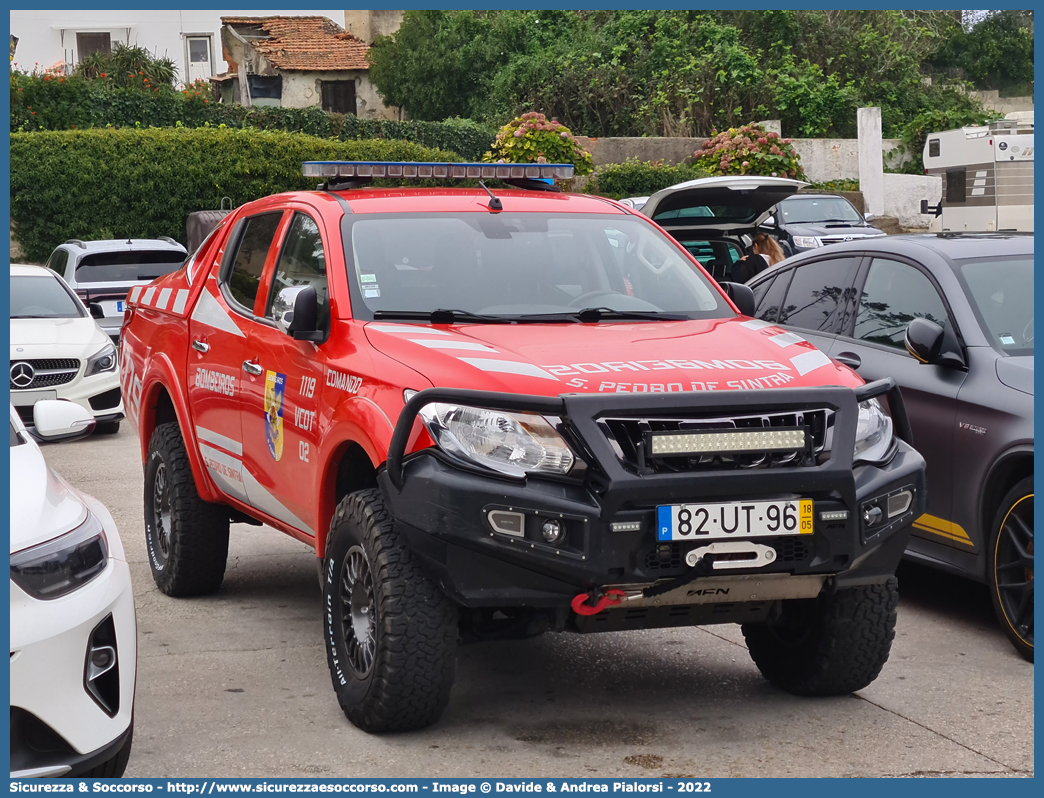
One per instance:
(357, 618)
(1012, 571)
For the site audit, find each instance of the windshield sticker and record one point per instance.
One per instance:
(1006, 339)
(367, 278)
(372, 292)
(275, 388)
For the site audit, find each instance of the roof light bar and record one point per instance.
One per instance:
(675, 444)
(465, 171)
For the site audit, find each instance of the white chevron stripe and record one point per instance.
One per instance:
(439, 343)
(809, 361)
(164, 297)
(786, 339)
(180, 300)
(508, 367)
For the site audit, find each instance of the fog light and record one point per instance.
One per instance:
(872, 515)
(833, 515)
(101, 659)
(552, 531)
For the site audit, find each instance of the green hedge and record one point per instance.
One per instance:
(639, 178)
(96, 184)
(39, 104)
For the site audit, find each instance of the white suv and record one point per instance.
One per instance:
(58, 351)
(102, 272)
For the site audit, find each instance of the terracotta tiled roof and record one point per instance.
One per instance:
(305, 44)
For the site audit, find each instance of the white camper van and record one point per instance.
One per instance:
(987, 175)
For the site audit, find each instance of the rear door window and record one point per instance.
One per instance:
(57, 261)
(821, 295)
(140, 265)
(894, 294)
(251, 253)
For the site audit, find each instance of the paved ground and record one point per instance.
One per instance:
(237, 685)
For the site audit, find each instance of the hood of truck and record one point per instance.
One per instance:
(616, 357)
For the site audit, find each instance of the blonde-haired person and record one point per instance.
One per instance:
(766, 252)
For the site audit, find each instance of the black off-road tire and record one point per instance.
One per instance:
(186, 537)
(831, 645)
(107, 428)
(1010, 566)
(391, 633)
(115, 766)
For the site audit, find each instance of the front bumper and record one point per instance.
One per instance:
(99, 394)
(58, 722)
(442, 508)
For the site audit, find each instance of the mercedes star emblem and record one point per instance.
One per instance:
(22, 375)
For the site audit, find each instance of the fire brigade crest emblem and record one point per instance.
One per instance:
(275, 387)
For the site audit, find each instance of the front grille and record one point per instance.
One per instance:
(668, 559)
(46, 373)
(838, 239)
(628, 438)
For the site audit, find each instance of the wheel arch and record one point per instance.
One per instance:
(350, 467)
(161, 403)
(1011, 467)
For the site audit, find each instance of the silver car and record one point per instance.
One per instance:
(103, 272)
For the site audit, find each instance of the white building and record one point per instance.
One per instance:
(192, 39)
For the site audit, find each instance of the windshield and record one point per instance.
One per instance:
(42, 297)
(820, 209)
(517, 266)
(125, 267)
(1002, 292)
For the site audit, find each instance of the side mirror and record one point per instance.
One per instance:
(930, 343)
(769, 222)
(867, 217)
(296, 311)
(742, 297)
(55, 420)
(96, 311)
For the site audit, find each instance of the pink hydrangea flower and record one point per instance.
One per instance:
(773, 134)
(518, 133)
(746, 163)
(775, 150)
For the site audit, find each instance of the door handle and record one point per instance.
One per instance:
(850, 359)
(250, 367)
(200, 346)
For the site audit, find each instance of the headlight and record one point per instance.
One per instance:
(807, 242)
(104, 361)
(873, 432)
(511, 443)
(64, 564)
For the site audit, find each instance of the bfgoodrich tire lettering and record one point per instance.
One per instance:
(1011, 566)
(831, 645)
(186, 537)
(391, 633)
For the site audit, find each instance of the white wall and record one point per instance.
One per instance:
(40, 40)
(903, 195)
(301, 90)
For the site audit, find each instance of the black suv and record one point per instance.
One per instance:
(950, 318)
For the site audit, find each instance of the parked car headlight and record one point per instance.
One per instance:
(807, 242)
(62, 565)
(511, 443)
(104, 361)
(873, 432)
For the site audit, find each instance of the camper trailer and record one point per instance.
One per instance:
(987, 176)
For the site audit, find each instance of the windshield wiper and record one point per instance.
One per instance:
(440, 316)
(849, 222)
(590, 315)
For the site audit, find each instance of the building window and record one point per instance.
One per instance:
(338, 96)
(264, 87)
(90, 43)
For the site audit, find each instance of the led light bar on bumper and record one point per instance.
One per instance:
(681, 444)
(463, 171)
